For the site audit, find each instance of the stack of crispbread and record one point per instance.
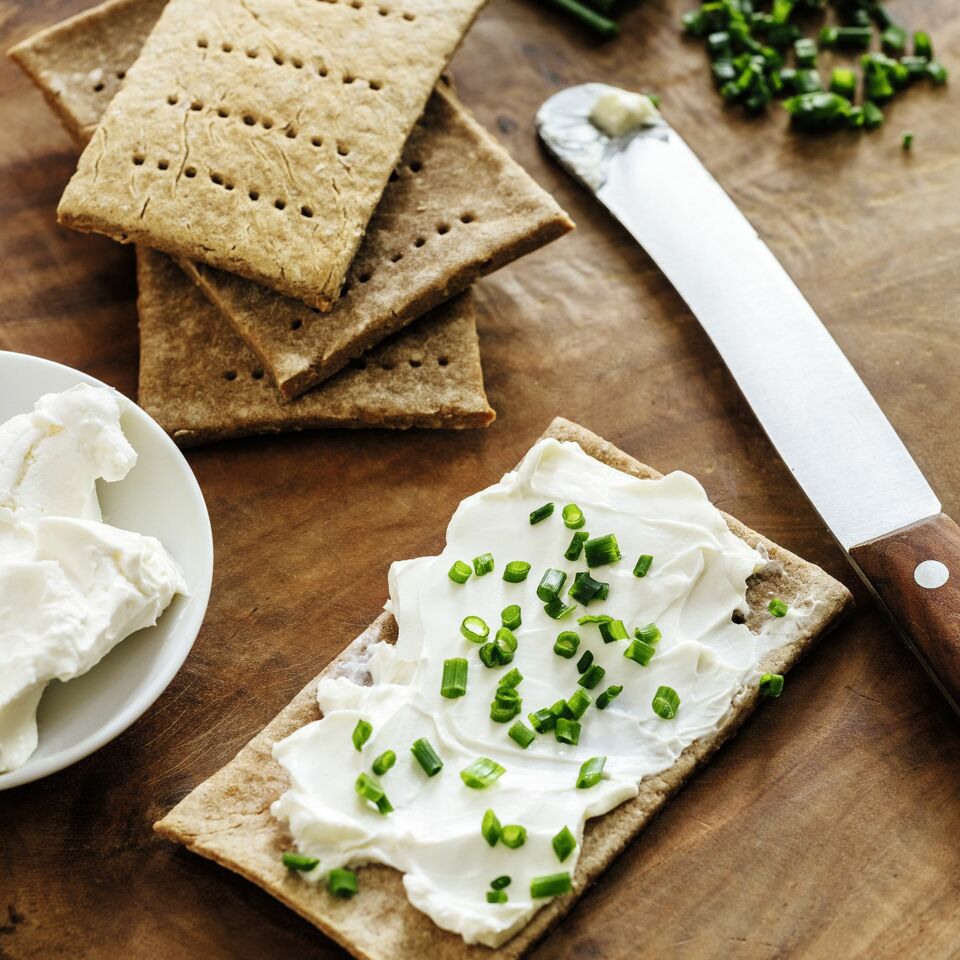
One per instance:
(309, 203)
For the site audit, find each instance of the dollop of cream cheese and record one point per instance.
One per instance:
(71, 586)
(697, 581)
(619, 112)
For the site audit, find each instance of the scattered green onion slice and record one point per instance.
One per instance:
(361, 733)
(777, 607)
(506, 643)
(512, 678)
(497, 896)
(483, 564)
(513, 836)
(297, 861)
(573, 517)
(516, 571)
(578, 702)
(521, 734)
(585, 588)
(568, 731)
(541, 513)
(601, 550)
(561, 709)
(543, 721)
(907, 141)
(490, 828)
(922, 47)
(550, 886)
(490, 655)
(576, 545)
(894, 40)
(612, 630)
(643, 565)
(556, 609)
(384, 762)
(844, 82)
(369, 789)
(426, 756)
(474, 629)
(482, 773)
(771, 684)
(566, 644)
(649, 634)
(937, 73)
(595, 618)
(608, 696)
(805, 52)
(342, 883)
(510, 616)
(500, 883)
(872, 115)
(453, 684)
(591, 773)
(564, 843)
(551, 583)
(640, 652)
(583, 664)
(666, 702)
(459, 572)
(592, 677)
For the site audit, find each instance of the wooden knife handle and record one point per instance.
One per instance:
(916, 573)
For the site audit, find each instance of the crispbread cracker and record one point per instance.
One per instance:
(200, 382)
(227, 818)
(258, 135)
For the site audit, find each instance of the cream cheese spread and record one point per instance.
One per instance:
(433, 836)
(71, 586)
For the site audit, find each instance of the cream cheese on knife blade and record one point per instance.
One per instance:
(71, 586)
(433, 834)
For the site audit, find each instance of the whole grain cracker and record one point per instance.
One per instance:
(258, 135)
(200, 382)
(227, 818)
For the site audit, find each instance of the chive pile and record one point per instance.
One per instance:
(758, 55)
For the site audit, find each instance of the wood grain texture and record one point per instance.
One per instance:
(828, 828)
(928, 613)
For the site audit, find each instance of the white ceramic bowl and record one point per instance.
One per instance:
(160, 496)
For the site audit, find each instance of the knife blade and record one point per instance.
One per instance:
(814, 407)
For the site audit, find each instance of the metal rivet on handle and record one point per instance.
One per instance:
(931, 574)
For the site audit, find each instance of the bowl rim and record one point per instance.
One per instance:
(189, 623)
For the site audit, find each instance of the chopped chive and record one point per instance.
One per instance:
(640, 652)
(550, 886)
(369, 789)
(516, 571)
(426, 756)
(592, 677)
(807, 81)
(384, 762)
(585, 588)
(576, 545)
(589, 17)
(361, 733)
(474, 629)
(853, 38)
(777, 607)
(578, 702)
(612, 630)
(551, 583)
(561, 709)
(481, 773)
(490, 828)
(490, 655)
(591, 773)
(937, 73)
(595, 618)
(922, 47)
(542, 720)
(500, 883)
(566, 644)
(510, 616)
(771, 684)
(512, 678)
(608, 696)
(506, 644)
(459, 572)
(564, 843)
(573, 517)
(521, 734)
(649, 634)
(453, 684)
(497, 896)
(643, 565)
(805, 52)
(844, 82)
(583, 664)
(342, 883)
(513, 836)
(894, 40)
(872, 115)
(907, 144)
(601, 550)
(568, 731)
(556, 609)
(483, 564)
(501, 713)
(541, 513)
(666, 702)
(298, 861)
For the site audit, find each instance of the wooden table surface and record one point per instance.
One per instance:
(829, 827)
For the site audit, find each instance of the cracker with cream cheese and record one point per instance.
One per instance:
(228, 819)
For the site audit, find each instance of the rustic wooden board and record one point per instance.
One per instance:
(829, 827)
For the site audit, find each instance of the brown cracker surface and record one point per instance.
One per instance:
(227, 818)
